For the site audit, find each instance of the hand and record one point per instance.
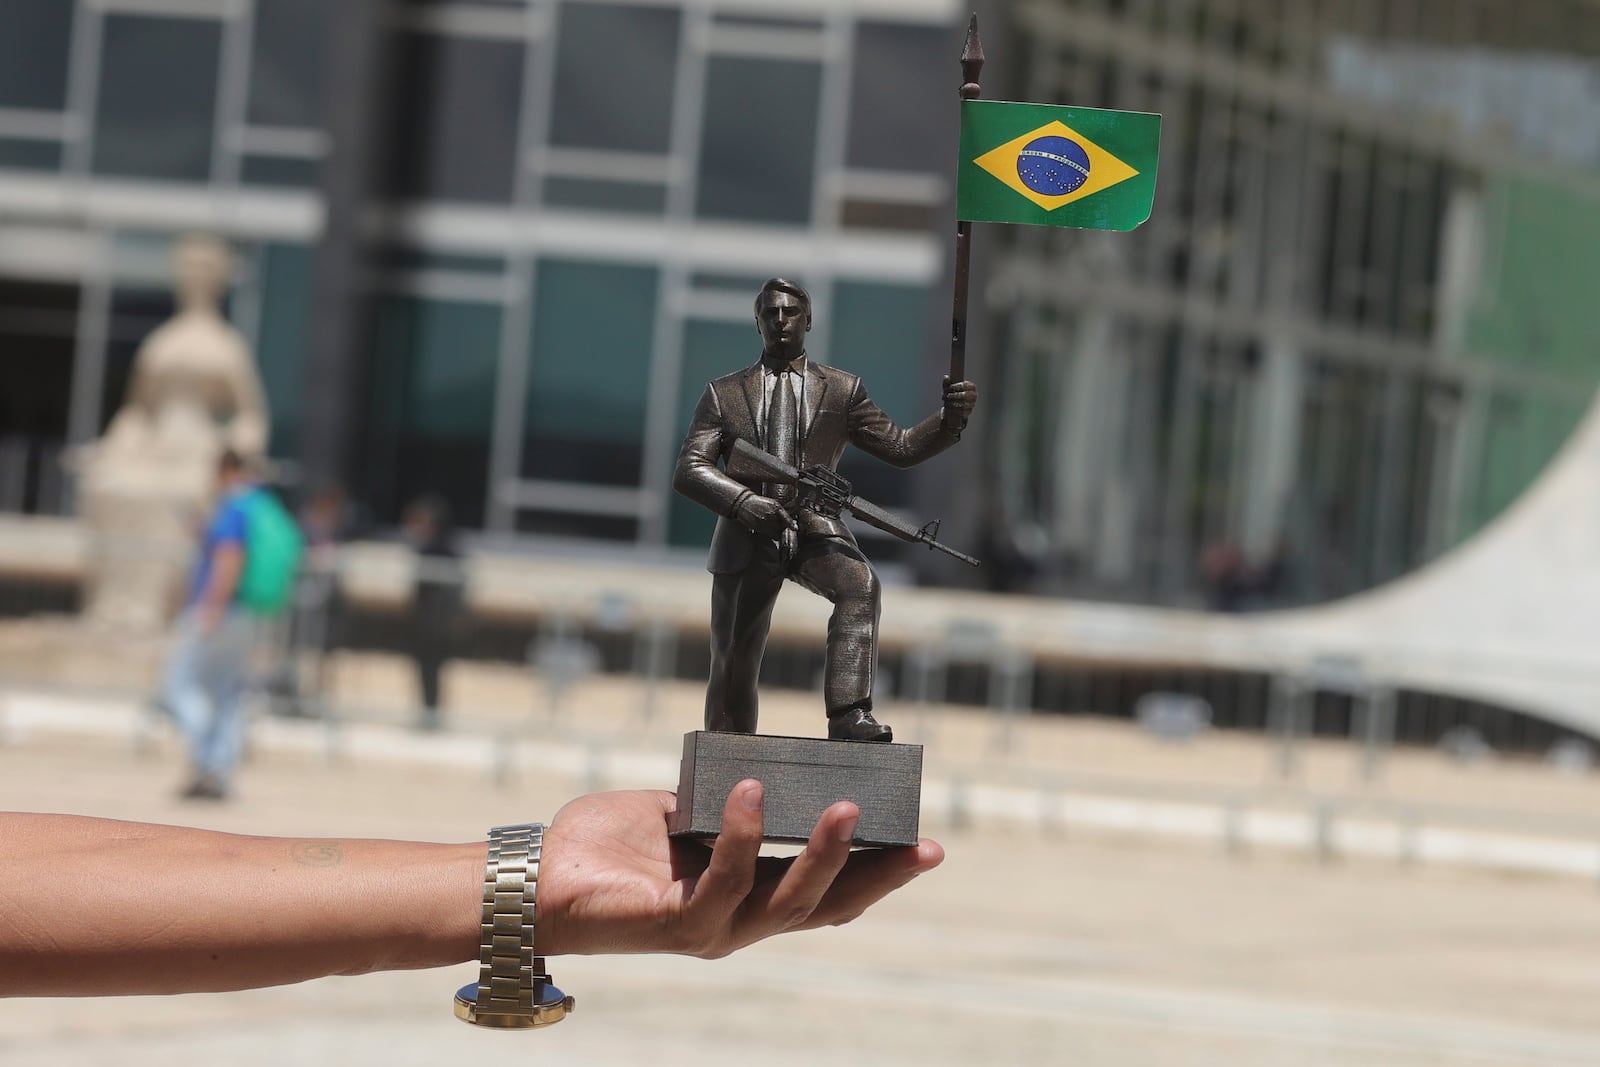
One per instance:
(611, 880)
(959, 400)
(764, 515)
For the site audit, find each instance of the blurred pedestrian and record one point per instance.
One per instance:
(314, 623)
(249, 553)
(436, 600)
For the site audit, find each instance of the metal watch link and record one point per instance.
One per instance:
(513, 991)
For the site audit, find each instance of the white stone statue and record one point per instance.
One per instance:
(145, 487)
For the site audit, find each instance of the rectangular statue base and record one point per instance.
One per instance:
(801, 776)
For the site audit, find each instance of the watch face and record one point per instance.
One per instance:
(550, 1006)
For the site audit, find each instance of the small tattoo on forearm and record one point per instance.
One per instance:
(317, 853)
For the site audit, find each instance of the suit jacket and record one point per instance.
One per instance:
(837, 412)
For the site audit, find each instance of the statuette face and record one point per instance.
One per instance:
(783, 321)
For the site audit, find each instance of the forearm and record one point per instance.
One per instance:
(698, 478)
(876, 434)
(105, 907)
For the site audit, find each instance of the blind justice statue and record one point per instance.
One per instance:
(778, 506)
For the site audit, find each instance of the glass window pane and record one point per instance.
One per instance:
(288, 73)
(30, 155)
(882, 332)
(38, 330)
(280, 171)
(903, 105)
(587, 527)
(756, 155)
(432, 405)
(739, 283)
(404, 257)
(634, 198)
(457, 117)
(594, 108)
(710, 350)
(35, 36)
(158, 84)
(38, 324)
(593, 327)
(286, 272)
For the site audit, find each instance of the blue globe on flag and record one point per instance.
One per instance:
(1053, 166)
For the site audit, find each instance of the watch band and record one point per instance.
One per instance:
(513, 991)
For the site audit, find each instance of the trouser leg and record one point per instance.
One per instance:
(429, 663)
(226, 667)
(183, 690)
(741, 614)
(838, 571)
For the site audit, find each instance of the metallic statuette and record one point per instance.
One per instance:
(513, 991)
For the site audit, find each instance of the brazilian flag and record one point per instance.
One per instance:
(1044, 165)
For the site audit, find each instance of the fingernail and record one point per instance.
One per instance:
(847, 829)
(750, 796)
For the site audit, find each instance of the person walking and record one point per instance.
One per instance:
(249, 553)
(436, 599)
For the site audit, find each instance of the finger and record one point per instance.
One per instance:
(869, 876)
(786, 903)
(732, 870)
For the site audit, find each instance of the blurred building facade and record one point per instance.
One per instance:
(545, 223)
(495, 248)
(1355, 326)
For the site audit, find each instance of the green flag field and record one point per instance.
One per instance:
(1047, 165)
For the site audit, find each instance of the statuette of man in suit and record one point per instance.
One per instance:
(804, 413)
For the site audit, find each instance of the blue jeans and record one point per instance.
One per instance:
(205, 682)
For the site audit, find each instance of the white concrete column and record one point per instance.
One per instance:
(1274, 447)
(1091, 424)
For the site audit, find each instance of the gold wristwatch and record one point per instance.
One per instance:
(513, 991)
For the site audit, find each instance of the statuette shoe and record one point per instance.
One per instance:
(857, 724)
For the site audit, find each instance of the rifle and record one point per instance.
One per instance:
(825, 492)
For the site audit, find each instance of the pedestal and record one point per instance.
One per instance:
(802, 776)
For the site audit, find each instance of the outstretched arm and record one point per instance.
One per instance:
(95, 906)
(876, 434)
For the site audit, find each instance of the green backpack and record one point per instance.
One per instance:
(272, 550)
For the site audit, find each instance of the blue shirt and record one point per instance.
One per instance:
(227, 527)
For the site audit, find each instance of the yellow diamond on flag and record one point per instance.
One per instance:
(1054, 165)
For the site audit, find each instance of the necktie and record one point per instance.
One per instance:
(782, 431)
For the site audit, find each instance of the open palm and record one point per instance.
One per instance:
(611, 880)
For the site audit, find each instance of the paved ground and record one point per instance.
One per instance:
(1027, 947)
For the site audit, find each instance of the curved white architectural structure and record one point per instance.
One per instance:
(1512, 616)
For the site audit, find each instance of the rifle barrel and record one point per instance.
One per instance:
(888, 522)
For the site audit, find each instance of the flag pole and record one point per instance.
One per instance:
(971, 66)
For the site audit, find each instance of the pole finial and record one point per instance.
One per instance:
(971, 60)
